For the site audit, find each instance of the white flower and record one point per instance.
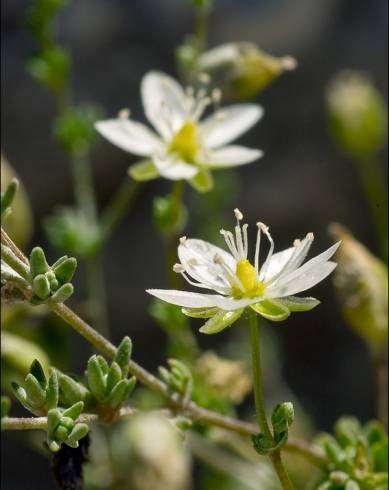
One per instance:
(181, 147)
(269, 290)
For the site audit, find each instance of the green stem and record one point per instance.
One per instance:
(172, 238)
(380, 363)
(119, 206)
(259, 401)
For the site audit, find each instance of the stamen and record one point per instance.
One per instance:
(265, 266)
(238, 214)
(229, 239)
(124, 113)
(289, 63)
(245, 240)
(183, 240)
(297, 242)
(178, 268)
(231, 277)
(204, 78)
(202, 103)
(216, 96)
(239, 242)
(257, 247)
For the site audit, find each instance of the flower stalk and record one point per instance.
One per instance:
(259, 401)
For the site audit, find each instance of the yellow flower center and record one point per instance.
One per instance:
(247, 275)
(186, 143)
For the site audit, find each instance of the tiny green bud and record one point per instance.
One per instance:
(38, 262)
(65, 270)
(62, 294)
(123, 355)
(96, 379)
(41, 286)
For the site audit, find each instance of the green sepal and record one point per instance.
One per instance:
(220, 321)
(114, 376)
(37, 371)
(117, 395)
(36, 397)
(65, 270)
(20, 393)
(78, 432)
(5, 406)
(74, 411)
(41, 286)
(143, 171)
(296, 303)
(202, 181)
(71, 391)
(38, 262)
(52, 391)
(123, 355)
(96, 379)
(7, 197)
(200, 312)
(271, 310)
(62, 294)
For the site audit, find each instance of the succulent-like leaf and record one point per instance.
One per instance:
(123, 355)
(96, 380)
(38, 262)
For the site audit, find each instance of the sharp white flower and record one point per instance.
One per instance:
(269, 290)
(180, 146)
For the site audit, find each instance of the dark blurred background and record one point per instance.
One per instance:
(302, 184)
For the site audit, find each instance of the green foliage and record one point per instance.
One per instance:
(178, 377)
(40, 16)
(7, 197)
(71, 232)
(110, 385)
(358, 456)
(281, 419)
(51, 68)
(63, 428)
(39, 393)
(74, 128)
(51, 284)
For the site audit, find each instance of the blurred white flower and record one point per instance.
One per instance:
(181, 147)
(268, 290)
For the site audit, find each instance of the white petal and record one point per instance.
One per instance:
(234, 121)
(229, 156)
(163, 101)
(306, 279)
(278, 261)
(174, 169)
(197, 256)
(299, 253)
(130, 136)
(197, 300)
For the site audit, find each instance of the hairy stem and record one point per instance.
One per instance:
(259, 401)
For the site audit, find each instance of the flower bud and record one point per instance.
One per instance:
(361, 283)
(357, 114)
(242, 70)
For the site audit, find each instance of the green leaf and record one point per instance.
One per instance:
(130, 386)
(37, 371)
(295, 303)
(41, 286)
(220, 321)
(78, 432)
(20, 393)
(74, 411)
(202, 181)
(118, 395)
(38, 262)
(123, 355)
(52, 391)
(61, 433)
(70, 390)
(200, 312)
(347, 431)
(169, 215)
(53, 420)
(271, 310)
(103, 364)
(7, 197)
(51, 68)
(65, 270)
(143, 171)
(114, 376)
(62, 294)
(96, 380)
(35, 395)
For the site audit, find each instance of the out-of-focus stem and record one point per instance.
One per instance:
(172, 238)
(380, 363)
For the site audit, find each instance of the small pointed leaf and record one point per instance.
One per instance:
(123, 355)
(37, 371)
(96, 380)
(38, 262)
